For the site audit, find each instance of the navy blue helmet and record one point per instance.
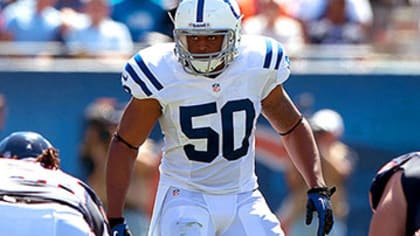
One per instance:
(23, 144)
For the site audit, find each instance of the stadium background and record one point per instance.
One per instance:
(379, 104)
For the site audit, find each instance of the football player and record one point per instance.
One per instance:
(395, 197)
(37, 198)
(207, 90)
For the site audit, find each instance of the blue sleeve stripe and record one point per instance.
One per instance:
(147, 72)
(279, 56)
(268, 53)
(137, 79)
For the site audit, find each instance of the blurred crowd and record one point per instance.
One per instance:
(338, 163)
(101, 119)
(116, 28)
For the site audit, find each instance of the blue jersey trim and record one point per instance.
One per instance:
(137, 79)
(279, 56)
(268, 53)
(147, 72)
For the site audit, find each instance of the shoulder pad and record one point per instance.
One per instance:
(265, 52)
(144, 74)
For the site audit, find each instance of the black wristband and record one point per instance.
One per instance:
(120, 139)
(293, 127)
(326, 191)
(115, 221)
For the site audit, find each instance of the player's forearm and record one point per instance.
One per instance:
(118, 174)
(301, 147)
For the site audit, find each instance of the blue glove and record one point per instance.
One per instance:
(119, 227)
(319, 200)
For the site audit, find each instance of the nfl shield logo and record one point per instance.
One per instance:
(175, 192)
(216, 87)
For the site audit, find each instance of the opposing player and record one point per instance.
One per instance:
(395, 197)
(37, 198)
(207, 91)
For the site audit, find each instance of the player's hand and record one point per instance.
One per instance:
(319, 200)
(119, 227)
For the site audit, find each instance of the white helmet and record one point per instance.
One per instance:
(207, 17)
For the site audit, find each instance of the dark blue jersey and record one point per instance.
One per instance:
(410, 181)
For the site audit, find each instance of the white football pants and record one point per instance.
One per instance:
(41, 219)
(190, 213)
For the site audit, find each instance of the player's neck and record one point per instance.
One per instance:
(219, 69)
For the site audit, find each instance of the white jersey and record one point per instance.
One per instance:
(27, 186)
(27, 175)
(208, 123)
